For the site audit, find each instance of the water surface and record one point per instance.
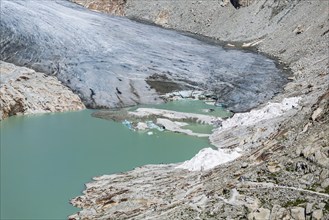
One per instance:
(46, 159)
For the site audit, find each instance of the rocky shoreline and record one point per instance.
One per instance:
(285, 172)
(24, 91)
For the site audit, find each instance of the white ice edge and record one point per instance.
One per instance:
(209, 158)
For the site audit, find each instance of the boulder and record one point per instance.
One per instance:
(260, 214)
(309, 207)
(298, 213)
(317, 214)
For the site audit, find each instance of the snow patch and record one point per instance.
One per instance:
(208, 158)
(271, 110)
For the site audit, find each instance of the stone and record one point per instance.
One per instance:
(24, 91)
(306, 127)
(260, 214)
(308, 209)
(317, 214)
(299, 29)
(162, 18)
(302, 167)
(321, 205)
(283, 214)
(321, 158)
(307, 179)
(224, 3)
(115, 7)
(317, 113)
(325, 183)
(244, 165)
(275, 212)
(324, 174)
(298, 213)
(273, 167)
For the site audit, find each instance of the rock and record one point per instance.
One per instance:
(274, 167)
(317, 113)
(302, 167)
(244, 165)
(275, 215)
(307, 179)
(162, 18)
(24, 91)
(115, 7)
(260, 214)
(224, 3)
(321, 205)
(283, 214)
(308, 209)
(317, 214)
(299, 29)
(321, 158)
(298, 213)
(325, 183)
(251, 203)
(324, 174)
(245, 3)
(306, 127)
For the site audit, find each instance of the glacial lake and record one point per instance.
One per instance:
(46, 159)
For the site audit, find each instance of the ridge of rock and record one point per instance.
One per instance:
(24, 91)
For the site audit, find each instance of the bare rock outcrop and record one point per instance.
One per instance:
(24, 91)
(115, 7)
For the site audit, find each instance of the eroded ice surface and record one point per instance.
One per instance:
(106, 59)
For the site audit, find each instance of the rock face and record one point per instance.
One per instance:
(24, 91)
(114, 62)
(115, 7)
(287, 155)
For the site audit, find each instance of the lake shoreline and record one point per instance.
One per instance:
(279, 148)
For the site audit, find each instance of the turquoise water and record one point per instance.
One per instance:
(46, 159)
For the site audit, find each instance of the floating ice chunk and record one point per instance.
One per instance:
(151, 125)
(141, 126)
(128, 124)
